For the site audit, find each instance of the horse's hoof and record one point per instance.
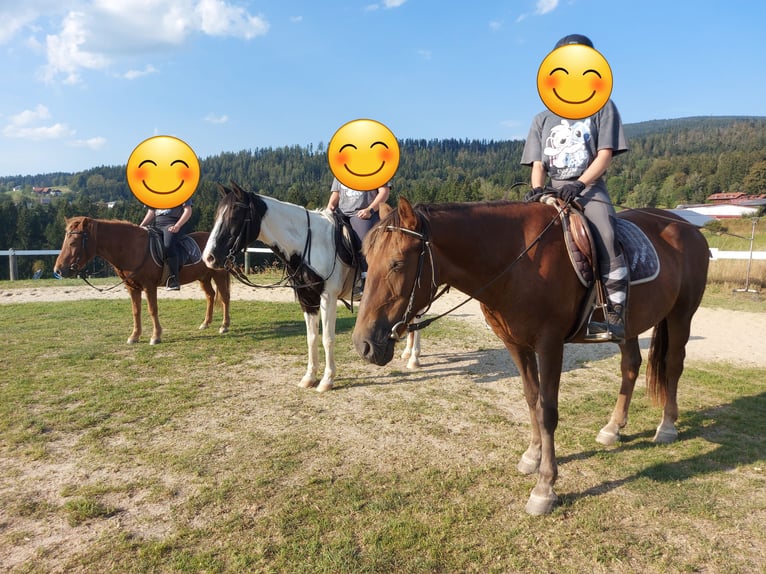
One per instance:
(405, 354)
(527, 465)
(203, 326)
(155, 341)
(665, 435)
(324, 386)
(307, 383)
(539, 505)
(413, 364)
(132, 341)
(223, 330)
(607, 437)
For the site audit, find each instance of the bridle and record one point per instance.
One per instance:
(79, 272)
(74, 266)
(400, 329)
(290, 279)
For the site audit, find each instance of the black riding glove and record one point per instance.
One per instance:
(571, 191)
(534, 194)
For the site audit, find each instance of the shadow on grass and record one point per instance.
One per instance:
(737, 428)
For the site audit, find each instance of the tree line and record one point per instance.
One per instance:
(670, 162)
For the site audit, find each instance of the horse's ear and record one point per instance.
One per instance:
(407, 215)
(238, 191)
(223, 191)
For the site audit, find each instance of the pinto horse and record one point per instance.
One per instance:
(305, 241)
(126, 247)
(512, 258)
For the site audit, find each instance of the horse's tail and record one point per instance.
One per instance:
(656, 371)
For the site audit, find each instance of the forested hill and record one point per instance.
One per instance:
(670, 162)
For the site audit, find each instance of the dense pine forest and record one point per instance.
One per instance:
(670, 162)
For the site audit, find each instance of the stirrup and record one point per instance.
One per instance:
(172, 284)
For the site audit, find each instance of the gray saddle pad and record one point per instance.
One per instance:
(638, 251)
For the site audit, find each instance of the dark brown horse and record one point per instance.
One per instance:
(126, 247)
(512, 258)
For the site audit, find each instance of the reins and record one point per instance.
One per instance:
(288, 279)
(80, 272)
(426, 243)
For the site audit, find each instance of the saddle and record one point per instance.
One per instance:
(189, 252)
(639, 253)
(347, 242)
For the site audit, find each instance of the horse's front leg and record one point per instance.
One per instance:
(526, 362)
(543, 498)
(210, 300)
(329, 308)
(135, 303)
(629, 366)
(151, 304)
(312, 340)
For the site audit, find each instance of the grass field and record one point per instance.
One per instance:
(201, 455)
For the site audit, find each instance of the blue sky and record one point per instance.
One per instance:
(85, 81)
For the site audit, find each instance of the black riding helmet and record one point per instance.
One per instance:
(574, 39)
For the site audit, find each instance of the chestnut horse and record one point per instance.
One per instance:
(512, 258)
(126, 247)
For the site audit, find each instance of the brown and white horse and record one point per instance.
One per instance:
(126, 246)
(512, 258)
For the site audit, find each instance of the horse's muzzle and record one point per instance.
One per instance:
(376, 350)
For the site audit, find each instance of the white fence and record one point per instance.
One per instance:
(12, 254)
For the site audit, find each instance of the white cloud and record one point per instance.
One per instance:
(133, 74)
(22, 126)
(425, 54)
(545, 6)
(66, 55)
(214, 119)
(95, 143)
(495, 25)
(393, 3)
(84, 35)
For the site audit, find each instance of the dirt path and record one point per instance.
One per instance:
(717, 334)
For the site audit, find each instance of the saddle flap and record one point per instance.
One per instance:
(347, 243)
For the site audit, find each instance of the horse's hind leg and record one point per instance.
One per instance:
(629, 366)
(207, 287)
(151, 303)
(412, 350)
(677, 333)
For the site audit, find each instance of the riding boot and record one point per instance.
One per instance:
(614, 276)
(172, 283)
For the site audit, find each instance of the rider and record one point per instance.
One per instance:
(170, 222)
(360, 208)
(575, 154)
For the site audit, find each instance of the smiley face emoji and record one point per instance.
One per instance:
(574, 81)
(363, 155)
(163, 172)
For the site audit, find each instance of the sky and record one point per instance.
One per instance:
(86, 81)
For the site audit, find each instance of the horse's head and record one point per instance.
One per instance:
(237, 224)
(399, 282)
(78, 247)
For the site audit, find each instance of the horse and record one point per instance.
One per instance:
(126, 246)
(306, 242)
(510, 257)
